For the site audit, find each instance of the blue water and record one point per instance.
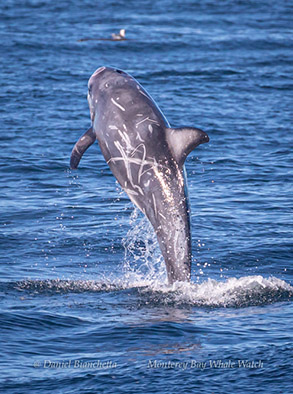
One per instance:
(85, 307)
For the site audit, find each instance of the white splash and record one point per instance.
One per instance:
(143, 262)
(144, 271)
(234, 292)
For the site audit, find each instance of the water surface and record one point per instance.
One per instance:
(85, 307)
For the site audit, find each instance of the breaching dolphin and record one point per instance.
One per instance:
(147, 158)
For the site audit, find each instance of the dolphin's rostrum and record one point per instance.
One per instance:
(147, 158)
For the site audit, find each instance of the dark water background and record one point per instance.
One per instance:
(81, 277)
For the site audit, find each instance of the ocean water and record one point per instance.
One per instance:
(85, 307)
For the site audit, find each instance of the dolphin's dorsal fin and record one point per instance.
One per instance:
(183, 140)
(81, 146)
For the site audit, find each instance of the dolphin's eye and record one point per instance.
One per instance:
(119, 71)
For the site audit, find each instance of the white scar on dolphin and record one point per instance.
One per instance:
(147, 158)
(117, 105)
(147, 118)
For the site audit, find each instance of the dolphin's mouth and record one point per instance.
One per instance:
(92, 112)
(92, 115)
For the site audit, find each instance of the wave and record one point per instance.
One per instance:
(234, 292)
(144, 272)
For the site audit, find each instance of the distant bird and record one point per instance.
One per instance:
(120, 36)
(115, 37)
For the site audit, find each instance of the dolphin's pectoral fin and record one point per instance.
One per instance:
(183, 140)
(81, 146)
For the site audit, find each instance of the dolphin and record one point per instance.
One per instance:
(147, 158)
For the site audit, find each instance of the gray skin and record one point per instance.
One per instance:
(147, 158)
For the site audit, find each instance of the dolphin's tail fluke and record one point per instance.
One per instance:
(80, 147)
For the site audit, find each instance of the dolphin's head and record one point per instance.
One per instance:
(102, 83)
